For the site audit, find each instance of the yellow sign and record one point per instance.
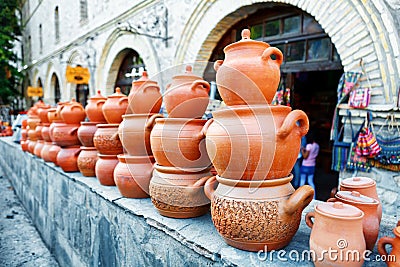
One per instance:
(35, 91)
(78, 75)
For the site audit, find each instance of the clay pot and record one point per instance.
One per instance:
(106, 139)
(67, 158)
(60, 106)
(42, 113)
(370, 208)
(132, 175)
(255, 142)
(32, 135)
(115, 106)
(24, 145)
(72, 112)
(51, 127)
(87, 161)
(31, 146)
(336, 226)
(38, 148)
(94, 110)
(38, 131)
(179, 143)
(248, 75)
(394, 255)
(134, 133)
(44, 154)
(365, 186)
(145, 96)
(53, 152)
(179, 192)
(254, 215)
(104, 169)
(52, 115)
(33, 121)
(45, 132)
(86, 133)
(65, 134)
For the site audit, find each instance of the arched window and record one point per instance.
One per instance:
(56, 88)
(29, 48)
(131, 68)
(40, 39)
(57, 24)
(83, 10)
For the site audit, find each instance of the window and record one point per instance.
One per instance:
(57, 24)
(40, 39)
(83, 10)
(29, 49)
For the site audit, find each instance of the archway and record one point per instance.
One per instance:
(55, 88)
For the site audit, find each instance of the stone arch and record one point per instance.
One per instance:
(48, 93)
(353, 26)
(117, 45)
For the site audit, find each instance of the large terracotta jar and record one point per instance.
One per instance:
(106, 139)
(134, 133)
(52, 125)
(65, 134)
(255, 142)
(45, 132)
(67, 158)
(115, 106)
(44, 154)
(42, 113)
(186, 96)
(179, 192)
(38, 148)
(145, 96)
(73, 112)
(336, 226)
(86, 133)
(132, 175)
(365, 186)
(104, 169)
(87, 161)
(392, 258)
(248, 75)
(370, 208)
(53, 152)
(179, 143)
(254, 215)
(94, 110)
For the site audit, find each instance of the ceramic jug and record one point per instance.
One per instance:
(115, 106)
(145, 96)
(392, 258)
(94, 110)
(72, 112)
(42, 113)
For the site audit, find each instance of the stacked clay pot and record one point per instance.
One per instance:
(44, 133)
(253, 147)
(54, 118)
(106, 139)
(24, 135)
(135, 167)
(182, 164)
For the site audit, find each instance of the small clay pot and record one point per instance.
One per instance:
(132, 175)
(44, 154)
(87, 161)
(38, 148)
(145, 96)
(38, 131)
(72, 112)
(115, 106)
(86, 133)
(65, 134)
(106, 139)
(395, 243)
(53, 152)
(94, 110)
(67, 158)
(45, 132)
(24, 145)
(42, 113)
(104, 169)
(52, 115)
(31, 146)
(60, 106)
(33, 121)
(32, 135)
(51, 127)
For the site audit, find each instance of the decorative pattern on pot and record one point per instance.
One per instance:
(186, 96)
(86, 133)
(106, 139)
(87, 161)
(145, 96)
(254, 215)
(248, 75)
(179, 192)
(104, 169)
(134, 133)
(65, 134)
(115, 106)
(395, 243)
(255, 142)
(179, 142)
(132, 175)
(94, 109)
(72, 112)
(67, 158)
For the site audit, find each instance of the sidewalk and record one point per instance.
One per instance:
(20, 243)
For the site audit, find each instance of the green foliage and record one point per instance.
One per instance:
(10, 29)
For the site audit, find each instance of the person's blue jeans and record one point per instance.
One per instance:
(307, 173)
(296, 172)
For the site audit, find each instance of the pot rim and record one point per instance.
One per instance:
(256, 107)
(88, 123)
(181, 121)
(63, 124)
(144, 115)
(108, 125)
(330, 216)
(88, 148)
(256, 183)
(125, 158)
(180, 170)
(374, 203)
(104, 156)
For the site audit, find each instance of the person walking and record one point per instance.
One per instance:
(297, 165)
(310, 153)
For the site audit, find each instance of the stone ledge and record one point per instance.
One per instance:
(85, 223)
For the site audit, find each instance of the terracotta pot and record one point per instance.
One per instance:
(132, 175)
(86, 133)
(38, 131)
(145, 96)
(94, 110)
(42, 113)
(44, 154)
(179, 143)
(104, 169)
(185, 92)
(255, 142)
(38, 148)
(248, 75)
(106, 139)
(87, 161)
(24, 134)
(65, 134)
(242, 211)
(72, 112)
(134, 133)
(365, 186)
(336, 226)
(33, 121)
(31, 146)
(45, 132)
(179, 192)
(60, 106)
(67, 158)
(392, 259)
(24, 145)
(52, 115)
(32, 135)
(51, 127)
(370, 208)
(53, 152)
(115, 106)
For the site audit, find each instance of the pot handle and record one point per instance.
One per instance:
(217, 64)
(115, 136)
(205, 84)
(332, 199)
(77, 106)
(309, 216)
(382, 245)
(123, 99)
(152, 120)
(290, 123)
(209, 187)
(73, 130)
(299, 199)
(266, 55)
(101, 101)
(144, 89)
(202, 133)
(199, 183)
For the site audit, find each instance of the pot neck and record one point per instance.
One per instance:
(255, 184)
